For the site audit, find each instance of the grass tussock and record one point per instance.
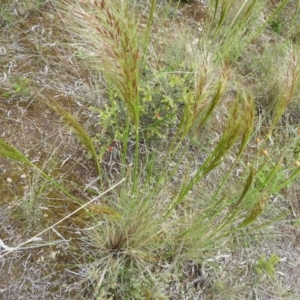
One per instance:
(211, 180)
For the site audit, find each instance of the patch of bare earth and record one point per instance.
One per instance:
(36, 66)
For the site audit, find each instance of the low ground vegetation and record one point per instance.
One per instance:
(149, 149)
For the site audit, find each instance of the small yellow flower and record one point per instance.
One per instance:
(297, 163)
(265, 152)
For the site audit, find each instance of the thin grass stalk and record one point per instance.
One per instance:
(291, 178)
(265, 224)
(61, 220)
(80, 132)
(271, 184)
(9, 151)
(225, 222)
(248, 110)
(200, 234)
(263, 191)
(202, 102)
(271, 175)
(216, 99)
(222, 8)
(249, 9)
(232, 131)
(270, 19)
(236, 207)
(234, 40)
(204, 232)
(136, 154)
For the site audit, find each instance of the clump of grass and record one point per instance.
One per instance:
(153, 219)
(30, 210)
(182, 204)
(151, 216)
(267, 265)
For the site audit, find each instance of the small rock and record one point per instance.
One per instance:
(52, 254)
(41, 259)
(23, 176)
(9, 180)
